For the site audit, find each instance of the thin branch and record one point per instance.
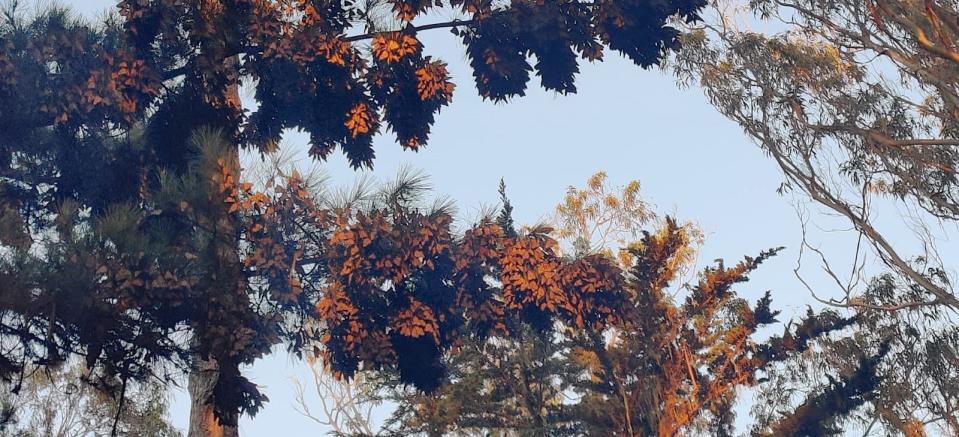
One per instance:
(116, 419)
(180, 71)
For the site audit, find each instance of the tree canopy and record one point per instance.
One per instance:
(672, 362)
(131, 239)
(856, 103)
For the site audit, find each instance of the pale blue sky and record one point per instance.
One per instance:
(634, 124)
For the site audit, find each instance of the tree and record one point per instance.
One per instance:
(123, 223)
(654, 368)
(819, 98)
(856, 102)
(505, 386)
(669, 367)
(912, 390)
(595, 218)
(58, 403)
(481, 389)
(820, 412)
(599, 218)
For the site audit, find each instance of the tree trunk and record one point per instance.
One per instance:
(206, 370)
(202, 421)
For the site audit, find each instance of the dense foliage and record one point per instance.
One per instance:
(308, 63)
(126, 228)
(129, 238)
(660, 367)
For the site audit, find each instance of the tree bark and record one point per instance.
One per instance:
(202, 421)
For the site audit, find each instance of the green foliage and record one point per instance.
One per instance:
(505, 217)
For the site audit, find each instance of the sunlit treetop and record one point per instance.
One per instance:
(330, 68)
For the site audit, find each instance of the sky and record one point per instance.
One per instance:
(633, 124)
